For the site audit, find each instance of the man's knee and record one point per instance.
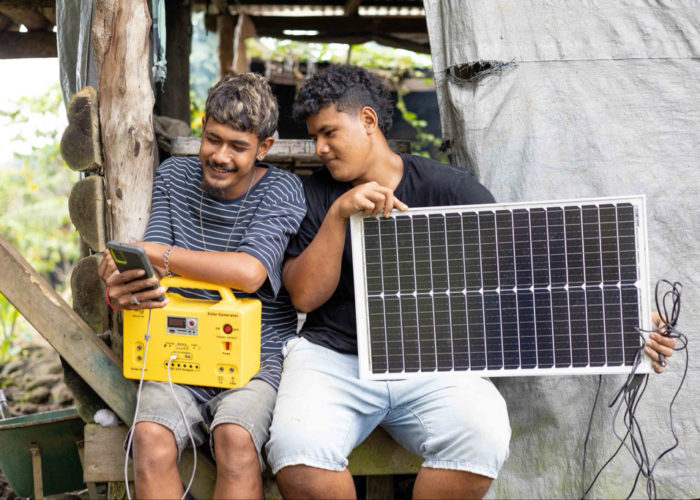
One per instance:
(302, 481)
(235, 450)
(292, 478)
(154, 446)
(484, 444)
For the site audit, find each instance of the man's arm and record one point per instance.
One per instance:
(312, 277)
(237, 270)
(232, 269)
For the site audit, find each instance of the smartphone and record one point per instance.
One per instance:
(128, 257)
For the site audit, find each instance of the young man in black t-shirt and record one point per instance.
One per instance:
(458, 424)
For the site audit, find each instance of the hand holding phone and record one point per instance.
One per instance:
(127, 257)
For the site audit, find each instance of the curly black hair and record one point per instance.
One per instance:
(350, 88)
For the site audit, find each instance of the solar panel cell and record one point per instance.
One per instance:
(560, 324)
(509, 329)
(411, 346)
(543, 328)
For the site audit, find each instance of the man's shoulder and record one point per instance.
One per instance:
(276, 173)
(321, 179)
(282, 182)
(443, 183)
(434, 168)
(179, 164)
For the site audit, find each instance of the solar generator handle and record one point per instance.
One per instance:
(180, 282)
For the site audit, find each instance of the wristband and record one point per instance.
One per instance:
(109, 303)
(166, 256)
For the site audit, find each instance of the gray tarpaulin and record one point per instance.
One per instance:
(76, 62)
(567, 99)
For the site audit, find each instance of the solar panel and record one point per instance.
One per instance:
(550, 288)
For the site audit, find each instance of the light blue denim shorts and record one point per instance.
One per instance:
(249, 406)
(323, 411)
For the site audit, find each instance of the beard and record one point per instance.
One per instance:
(214, 191)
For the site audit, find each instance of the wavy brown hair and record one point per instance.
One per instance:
(246, 103)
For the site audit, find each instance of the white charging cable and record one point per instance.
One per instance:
(130, 434)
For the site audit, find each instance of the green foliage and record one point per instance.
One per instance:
(291, 52)
(398, 61)
(425, 143)
(8, 324)
(34, 201)
(204, 70)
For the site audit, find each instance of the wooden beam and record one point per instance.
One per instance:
(405, 33)
(398, 43)
(65, 331)
(333, 25)
(50, 14)
(402, 43)
(7, 24)
(282, 151)
(32, 19)
(32, 44)
(351, 7)
(28, 4)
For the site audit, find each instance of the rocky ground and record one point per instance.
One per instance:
(32, 384)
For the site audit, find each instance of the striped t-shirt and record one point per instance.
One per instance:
(183, 215)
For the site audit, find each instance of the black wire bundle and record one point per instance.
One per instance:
(627, 399)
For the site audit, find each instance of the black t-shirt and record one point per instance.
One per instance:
(425, 183)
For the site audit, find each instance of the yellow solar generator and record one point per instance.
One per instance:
(216, 343)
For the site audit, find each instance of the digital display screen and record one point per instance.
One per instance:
(176, 322)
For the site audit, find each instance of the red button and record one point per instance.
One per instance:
(191, 322)
(228, 328)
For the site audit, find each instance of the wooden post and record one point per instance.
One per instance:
(224, 33)
(244, 29)
(120, 32)
(175, 99)
(36, 472)
(120, 36)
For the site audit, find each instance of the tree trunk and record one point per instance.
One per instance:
(120, 36)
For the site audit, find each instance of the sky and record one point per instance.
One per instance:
(23, 77)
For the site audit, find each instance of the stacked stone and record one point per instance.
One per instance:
(34, 382)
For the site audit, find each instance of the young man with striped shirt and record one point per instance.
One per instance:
(223, 218)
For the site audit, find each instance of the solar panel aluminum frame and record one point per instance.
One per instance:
(361, 294)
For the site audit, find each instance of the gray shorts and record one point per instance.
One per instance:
(249, 406)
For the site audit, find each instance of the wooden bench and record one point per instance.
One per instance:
(379, 457)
